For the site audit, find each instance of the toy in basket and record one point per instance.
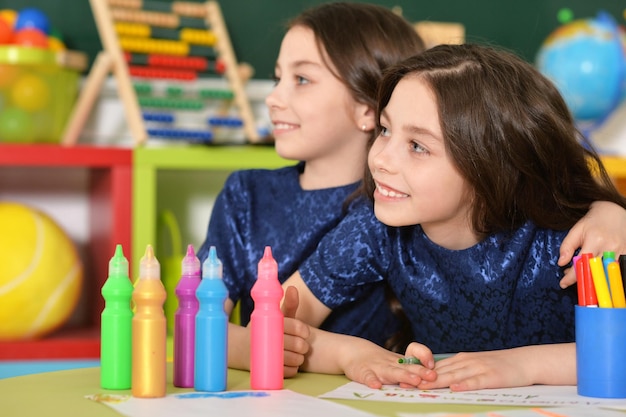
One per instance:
(39, 78)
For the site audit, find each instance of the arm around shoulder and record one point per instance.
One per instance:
(602, 229)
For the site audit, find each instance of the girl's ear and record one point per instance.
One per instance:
(365, 117)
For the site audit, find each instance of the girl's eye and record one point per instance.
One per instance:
(301, 80)
(276, 80)
(384, 131)
(417, 148)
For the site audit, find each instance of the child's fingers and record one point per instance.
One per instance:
(295, 344)
(290, 302)
(421, 352)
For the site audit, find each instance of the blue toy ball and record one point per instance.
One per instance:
(32, 18)
(585, 59)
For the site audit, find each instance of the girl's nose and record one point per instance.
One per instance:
(274, 99)
(379, 157)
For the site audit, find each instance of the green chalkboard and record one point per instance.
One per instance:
(256, 26)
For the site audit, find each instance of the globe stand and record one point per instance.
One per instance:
(586, 128)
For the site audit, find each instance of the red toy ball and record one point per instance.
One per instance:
(6, 33)
(31, 37)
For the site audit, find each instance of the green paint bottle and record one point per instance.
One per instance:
(116, 325)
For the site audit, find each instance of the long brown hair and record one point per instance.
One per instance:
(360, 40)
(511, 136)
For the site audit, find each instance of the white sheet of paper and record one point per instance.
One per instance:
(536, 395)
(531, 412)
(228, 404)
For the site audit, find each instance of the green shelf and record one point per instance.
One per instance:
(149, 161)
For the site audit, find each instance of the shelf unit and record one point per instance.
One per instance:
(109, 211)
(148, 163)
(125, 195)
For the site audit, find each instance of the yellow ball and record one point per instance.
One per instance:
(41, 273)
(31, 93)
(55, 44)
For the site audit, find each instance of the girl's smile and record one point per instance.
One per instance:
(416, 181)
(388, 192)
(315, 118)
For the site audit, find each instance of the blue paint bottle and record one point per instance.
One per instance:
(211, 353)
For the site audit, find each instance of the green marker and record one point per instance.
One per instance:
(116, 325)
(410, 361)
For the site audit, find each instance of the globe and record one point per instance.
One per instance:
(585, 59)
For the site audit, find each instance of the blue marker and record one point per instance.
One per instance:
(607, 258)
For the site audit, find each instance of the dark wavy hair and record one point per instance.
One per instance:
(510, 134)
(360, 40)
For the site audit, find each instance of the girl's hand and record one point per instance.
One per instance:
(421, 352)
(296, 334)
(541, 364)
(602, 229)
(375, 366)
(479, 370)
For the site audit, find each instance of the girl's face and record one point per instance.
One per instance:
(416, 182)
(313, 113)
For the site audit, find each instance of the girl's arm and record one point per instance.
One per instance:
(238, 347)
(602, 229)
(238, 342)
(332, 353)
(310, 310)
(374, 366)
(296, 334)
(553, 364)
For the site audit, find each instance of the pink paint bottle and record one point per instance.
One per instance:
(185, 320)
(266, 327)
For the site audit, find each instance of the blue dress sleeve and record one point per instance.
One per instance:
(225, 233)
(351, 261)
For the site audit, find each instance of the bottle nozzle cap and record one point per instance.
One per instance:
(118, 265)
(149, 267)
(268, 267)
(212, 267)
(191, 263)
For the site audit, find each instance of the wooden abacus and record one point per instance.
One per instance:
(160, 40)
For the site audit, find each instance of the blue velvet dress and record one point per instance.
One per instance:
(500, 293)
(258, 208)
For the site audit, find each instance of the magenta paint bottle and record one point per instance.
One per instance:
(185, 320)
(266, 327)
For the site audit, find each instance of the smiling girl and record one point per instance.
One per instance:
(323, 111)
(477, 174)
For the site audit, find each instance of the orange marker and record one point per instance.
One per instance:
(616, 285)
(600, 283)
